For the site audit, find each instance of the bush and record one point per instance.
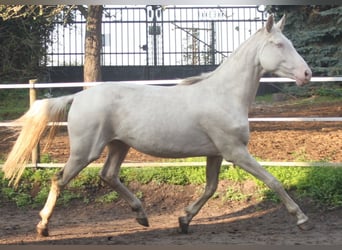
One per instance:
(323, 185)
(313, 89)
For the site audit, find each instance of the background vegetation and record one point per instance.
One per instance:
(320, 184)
(25, 35)
(25, 32)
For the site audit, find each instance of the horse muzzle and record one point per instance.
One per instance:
(303, 78)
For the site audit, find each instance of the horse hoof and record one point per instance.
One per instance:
(42, 231)
(306, 226)
(143, 222)
(183, 225)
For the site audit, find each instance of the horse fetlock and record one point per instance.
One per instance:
(295, 210)
(138, 209)
(42, 230)
(190, 211)
(109, 180)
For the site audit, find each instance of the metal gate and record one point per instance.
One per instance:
(157, 35)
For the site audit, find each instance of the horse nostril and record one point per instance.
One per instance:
(307, 74)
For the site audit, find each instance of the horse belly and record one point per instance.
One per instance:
(173, 144)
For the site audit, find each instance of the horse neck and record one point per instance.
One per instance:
(239, 76)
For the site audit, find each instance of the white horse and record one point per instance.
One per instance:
(205, 116)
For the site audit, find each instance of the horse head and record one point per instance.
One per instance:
(278, 56)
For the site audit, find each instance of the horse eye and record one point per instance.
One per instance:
(279, 45)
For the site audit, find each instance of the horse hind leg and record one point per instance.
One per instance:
(73, 166)
(46, 212)
(242, 158)
(212, 173)
(117, 152)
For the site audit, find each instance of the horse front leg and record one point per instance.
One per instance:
(212, 173)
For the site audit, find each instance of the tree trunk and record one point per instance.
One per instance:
(93, 45)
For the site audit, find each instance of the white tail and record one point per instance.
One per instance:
(34, 123)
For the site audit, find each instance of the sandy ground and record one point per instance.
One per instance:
(219, 222)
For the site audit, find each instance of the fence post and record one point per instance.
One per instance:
(33, 96)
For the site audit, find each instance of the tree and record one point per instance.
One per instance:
(93, 44)
(24, 33)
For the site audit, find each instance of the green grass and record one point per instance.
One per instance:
(13, 103)
(316, 99)
(108, 198)
(264, 99)
(321, 184)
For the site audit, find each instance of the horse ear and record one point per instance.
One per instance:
(281, 22)
(269, 23)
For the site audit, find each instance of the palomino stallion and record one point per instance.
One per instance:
(204, 116)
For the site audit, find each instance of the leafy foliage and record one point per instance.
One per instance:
(314, 89)
(25, 32)
(322, 184)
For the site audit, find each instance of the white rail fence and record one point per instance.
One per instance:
(32, 86)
